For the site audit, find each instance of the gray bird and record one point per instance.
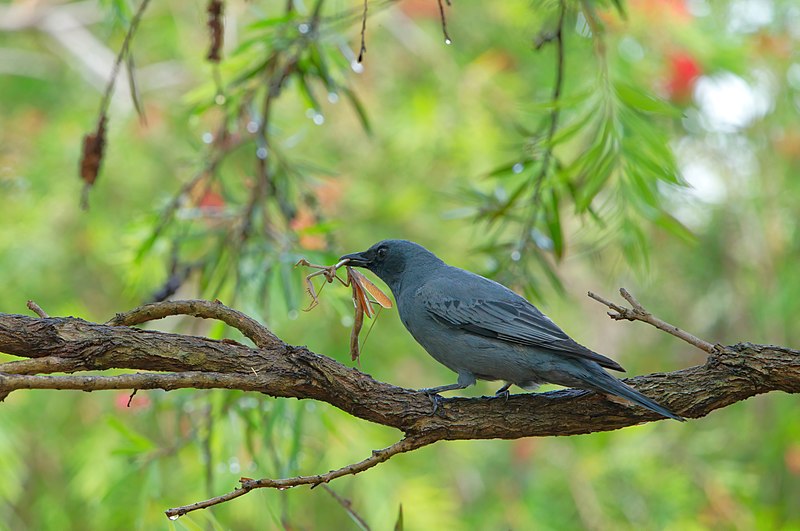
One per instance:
(482, 330)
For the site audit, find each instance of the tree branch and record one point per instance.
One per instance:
(378, 456)
(252, 329)
(638, 313)
(141, 380)
(730, 374)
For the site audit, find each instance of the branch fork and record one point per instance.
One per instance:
(637, 313)
(173, 361)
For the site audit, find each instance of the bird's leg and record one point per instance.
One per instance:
(503, 391)
(465, 379)
(436, 398)
(443, 388)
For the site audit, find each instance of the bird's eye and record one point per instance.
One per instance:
(381, 252)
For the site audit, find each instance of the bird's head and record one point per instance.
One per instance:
(392, 259)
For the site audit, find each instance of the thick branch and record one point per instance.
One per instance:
(730, 375)
(68, 345)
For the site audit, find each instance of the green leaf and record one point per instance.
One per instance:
(306, 92)
(634, 243)
(359, 108)
(675, 227)
(574, 127)
(569, 101)
(620, 8)
(134, 87)
(598, 165)
(138, 443)
(553, 218)
(272, 22)
(398, 524)
(509, 168)
(635, 98)
(551, 275)
(317, 59)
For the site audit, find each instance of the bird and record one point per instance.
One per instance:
(482, 330)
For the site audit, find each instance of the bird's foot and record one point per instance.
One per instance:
(503, 392)
(435, 398)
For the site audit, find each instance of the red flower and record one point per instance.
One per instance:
(683, 72)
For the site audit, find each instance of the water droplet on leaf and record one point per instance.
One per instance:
(518, 167)
(208, 138)
(261, 153)
(448, 41)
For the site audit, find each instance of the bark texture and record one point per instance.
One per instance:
(731, 374)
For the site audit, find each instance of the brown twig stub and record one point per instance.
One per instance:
(215, 29)
(637, 312)
(130, 398)
(91, 157)
(252, 329)
(35, 308)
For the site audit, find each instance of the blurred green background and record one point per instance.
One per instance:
(707, 240)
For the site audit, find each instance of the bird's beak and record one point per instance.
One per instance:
(357, 259)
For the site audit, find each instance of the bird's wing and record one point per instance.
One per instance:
(515, 321)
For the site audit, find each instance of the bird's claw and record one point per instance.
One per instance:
(435, 398)
(503, 391)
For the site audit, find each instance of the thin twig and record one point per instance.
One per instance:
(363, 33)
(94, 143)
(120, 56)
(638, 313)
(35, 308)
(447, 39)
(406, 444)
(347, 505)
(541, 176)
(252, 329)
(45, 364)
(139, 380)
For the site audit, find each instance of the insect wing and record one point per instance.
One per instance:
(366, 284)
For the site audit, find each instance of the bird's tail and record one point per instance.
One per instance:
(609, 384)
